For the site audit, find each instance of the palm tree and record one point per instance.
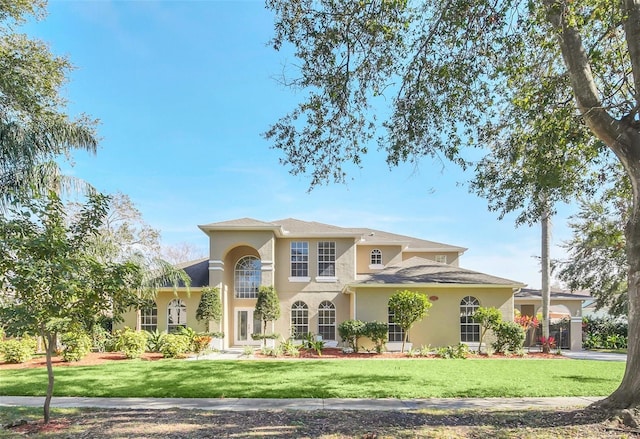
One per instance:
(28, 151)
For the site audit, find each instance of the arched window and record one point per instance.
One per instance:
(327, 320)
(376, 257)
(149, 318)
(176, 315)
(248, 275)
(299, 320)
(469, 330)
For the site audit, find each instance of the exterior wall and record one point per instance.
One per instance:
(441, 327)
(162, 301)
(345, 265)
(390, 254)
(452, 257)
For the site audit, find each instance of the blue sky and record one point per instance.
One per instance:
(183, 91)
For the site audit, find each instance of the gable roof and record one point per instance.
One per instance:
(295, 228)
(420, 271)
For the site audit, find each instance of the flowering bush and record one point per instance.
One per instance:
(527, 322)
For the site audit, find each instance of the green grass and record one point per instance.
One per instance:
(323, 379)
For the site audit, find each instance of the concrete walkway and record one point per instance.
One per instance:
(591, 355)
(249, 404)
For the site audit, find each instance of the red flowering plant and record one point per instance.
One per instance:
(547, 343)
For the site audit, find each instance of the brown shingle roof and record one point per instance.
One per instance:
(424, 271)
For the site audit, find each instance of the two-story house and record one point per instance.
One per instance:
(325, 274)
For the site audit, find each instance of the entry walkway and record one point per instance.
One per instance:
(249, 404)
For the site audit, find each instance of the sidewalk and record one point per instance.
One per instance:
(248, 404)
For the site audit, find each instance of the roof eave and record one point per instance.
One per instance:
(430, 285)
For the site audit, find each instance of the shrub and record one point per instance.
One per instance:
(509, 337)
(425, 350)
(289, 348)
(77, 345)
(459, 351)
(100, 338)
(605, 333)
(16, 351)
(350, 331)
(377, 332)
(131, 343)
(154, 340)
(175, 345)
(200, 343)
(30, 341)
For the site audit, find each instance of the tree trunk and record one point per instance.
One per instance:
(50, 345)
(627, 395)
(546, 293)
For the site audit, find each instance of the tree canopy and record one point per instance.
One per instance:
(550, 89)
(35, 130)
(52, 279)
(597, 260)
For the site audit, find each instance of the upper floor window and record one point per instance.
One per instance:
(149, 318)
(326, 259)
(248, 275)
(469, 330)
(176, 315)
(376, 257)
(299, 259)
(441, 259)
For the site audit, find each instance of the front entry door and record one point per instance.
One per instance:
(246, 324)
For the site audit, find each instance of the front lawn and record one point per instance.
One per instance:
(323, 379)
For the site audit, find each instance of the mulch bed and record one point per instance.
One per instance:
(96, 358)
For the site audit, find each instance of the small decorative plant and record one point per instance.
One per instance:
(547, 343)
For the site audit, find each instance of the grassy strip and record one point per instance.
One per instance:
(323, 379)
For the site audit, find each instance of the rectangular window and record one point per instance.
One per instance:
(326, 258)
(149, 318)
(395, 332)
(441, 259)
(299, 259)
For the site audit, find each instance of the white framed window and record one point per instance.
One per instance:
(327, 320)
(299, 261)
(395, 331)
(149, 318)
(441, 259)
(248, 275)
(299, 320)
(469, 330)
(176, 315)
(375, 259)
(327, 259)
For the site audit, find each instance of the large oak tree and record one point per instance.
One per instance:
(550, 88)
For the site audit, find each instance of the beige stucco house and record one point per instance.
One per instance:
(325, 274)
